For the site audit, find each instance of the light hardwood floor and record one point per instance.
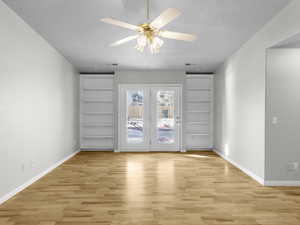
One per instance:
(150, 189)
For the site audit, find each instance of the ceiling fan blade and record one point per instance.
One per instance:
(120, 23)
(165, 18)
(124, 40)
(177, 35)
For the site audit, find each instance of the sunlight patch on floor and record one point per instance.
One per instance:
(197, 156)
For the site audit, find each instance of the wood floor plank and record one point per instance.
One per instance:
(103, 188)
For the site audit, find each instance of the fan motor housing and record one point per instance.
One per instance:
(148, 31)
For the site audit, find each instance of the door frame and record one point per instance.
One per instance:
(145, 85)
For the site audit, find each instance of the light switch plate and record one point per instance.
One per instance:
(293, 166)
(274, 120)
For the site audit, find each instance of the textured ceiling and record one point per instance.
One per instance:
(74, 28)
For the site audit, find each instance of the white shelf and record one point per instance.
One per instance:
(97, 76)
(197, 123)
(98, 137)
(196, 101)
(197, 111)
(197, 134)
(97, 89)
(198, 89)
(97, 101)
(98, 113)
(198, 76)
(97, 125)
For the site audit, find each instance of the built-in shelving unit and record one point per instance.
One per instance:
(97, 112)
(198, 103)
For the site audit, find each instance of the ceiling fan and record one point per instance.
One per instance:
(149, 32)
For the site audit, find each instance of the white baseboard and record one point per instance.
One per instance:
(96, 150)
(246, 171)
(199, 150)
(34, 179)
(281, 183)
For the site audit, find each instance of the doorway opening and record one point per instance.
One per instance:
(282, 111)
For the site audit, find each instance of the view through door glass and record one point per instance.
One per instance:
(135, 116)
(165, 117)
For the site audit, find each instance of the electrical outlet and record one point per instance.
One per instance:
(75, 144)
(33, 164)
(293, 166)
(274, 120)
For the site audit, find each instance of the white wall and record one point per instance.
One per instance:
(156, 77)
(240, 94)
(283, 101)
(38, 103)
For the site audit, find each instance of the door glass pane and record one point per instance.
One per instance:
(165, 117)
(135, 114)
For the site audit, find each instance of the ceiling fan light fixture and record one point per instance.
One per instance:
(148, 37)
(155, 45)
(141, 42)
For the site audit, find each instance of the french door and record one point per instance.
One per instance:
(149, 118)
